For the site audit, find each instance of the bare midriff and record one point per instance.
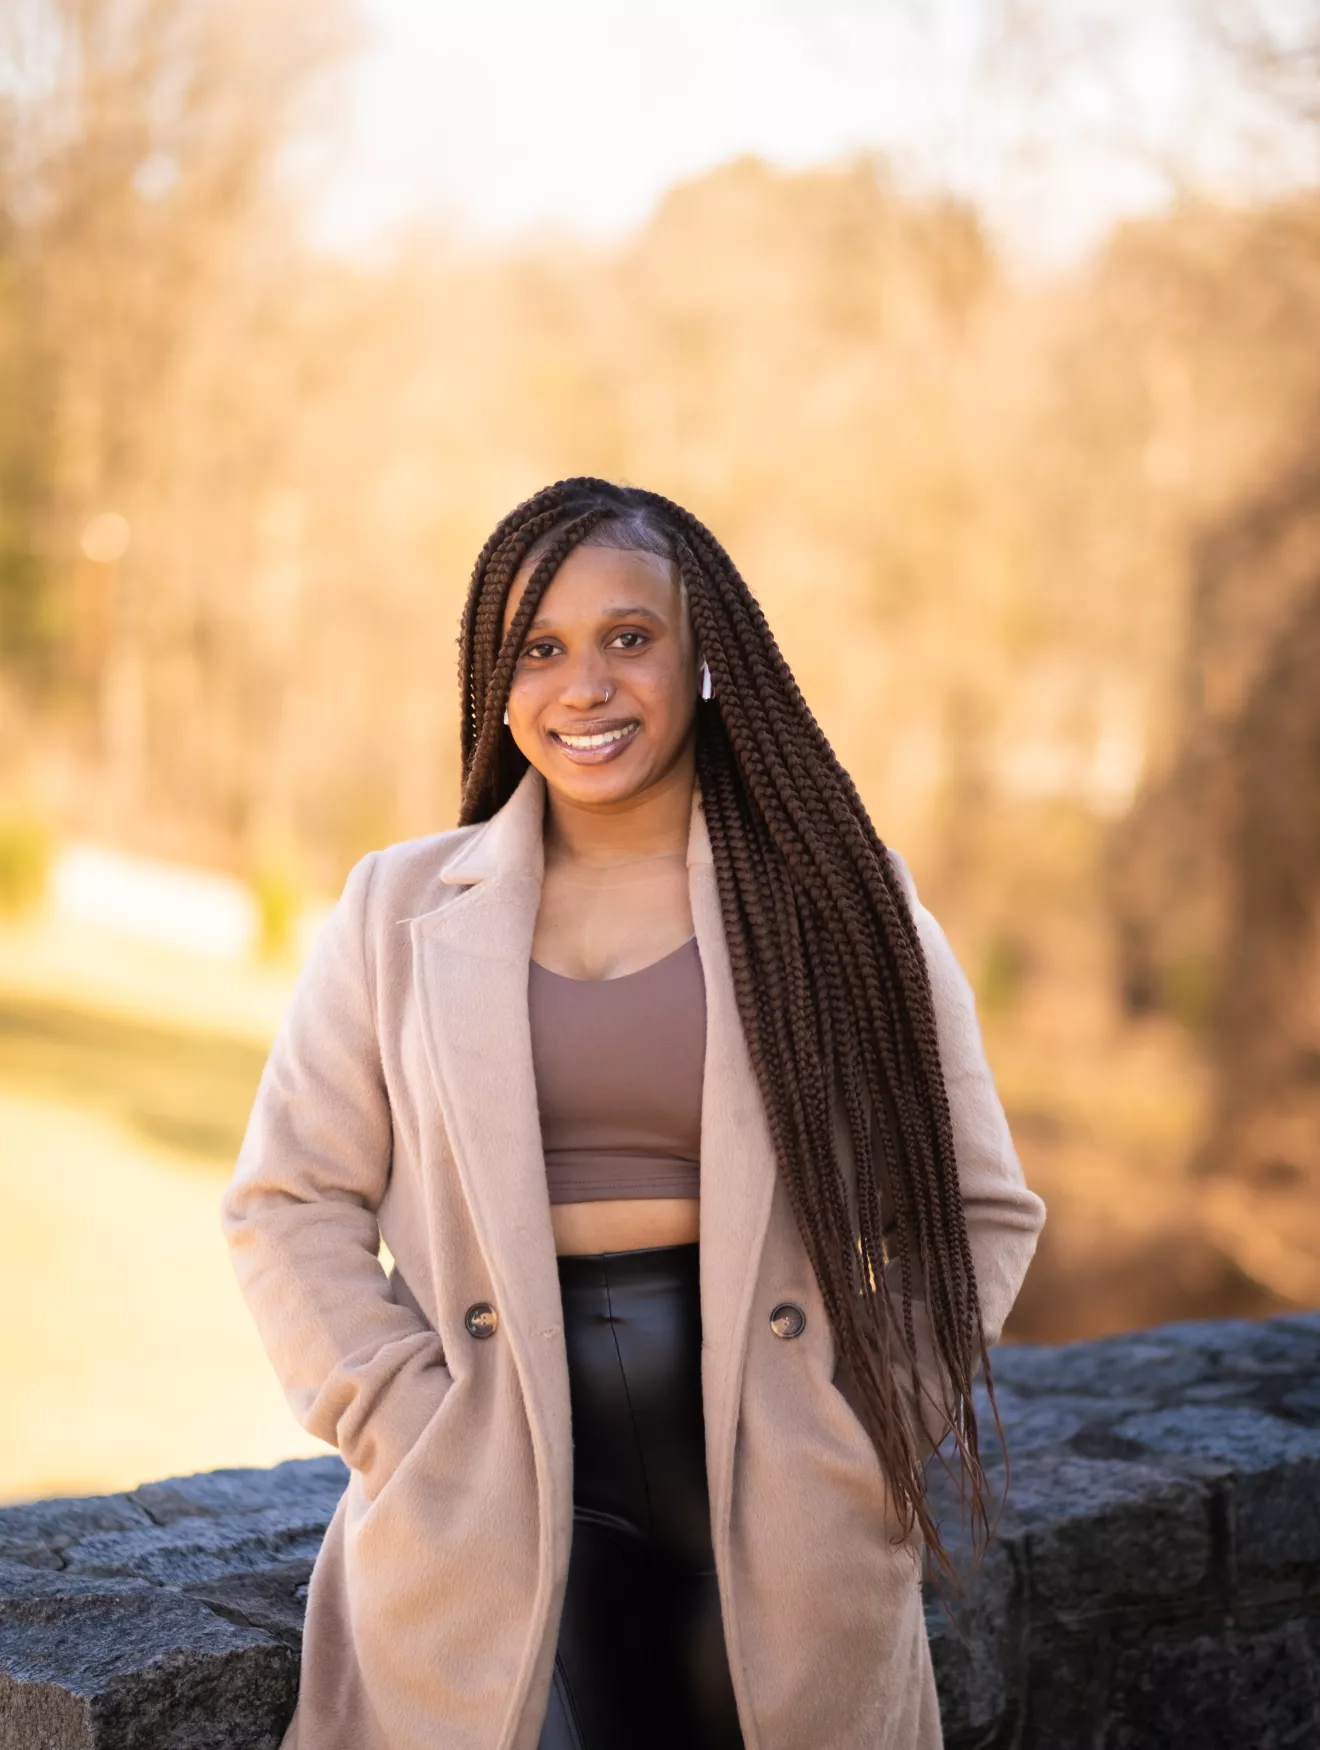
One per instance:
(625, 1224)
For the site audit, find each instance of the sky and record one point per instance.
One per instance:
(509, 117)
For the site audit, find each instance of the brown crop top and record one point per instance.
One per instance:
(619, 1065)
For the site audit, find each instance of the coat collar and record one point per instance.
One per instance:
(471, 956)
(512, 843)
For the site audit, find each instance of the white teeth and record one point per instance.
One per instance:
(594, 740)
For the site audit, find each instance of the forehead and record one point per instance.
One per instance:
(594, 582)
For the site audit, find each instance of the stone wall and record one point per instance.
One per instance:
(1155, 1580)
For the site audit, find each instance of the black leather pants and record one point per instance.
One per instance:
(641, 1662)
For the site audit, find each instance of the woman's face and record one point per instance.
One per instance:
(603, 700)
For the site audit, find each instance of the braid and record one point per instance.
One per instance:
(831, 982)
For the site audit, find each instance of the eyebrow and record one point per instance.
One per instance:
(626, 613)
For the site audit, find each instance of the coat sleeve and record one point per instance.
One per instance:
(1004, 1218)
(360, 1370)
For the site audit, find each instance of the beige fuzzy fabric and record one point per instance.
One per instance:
(399, 1103)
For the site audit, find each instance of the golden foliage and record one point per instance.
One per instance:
(974, 508)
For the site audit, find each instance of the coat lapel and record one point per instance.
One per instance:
(738, 1176)
(471, 958)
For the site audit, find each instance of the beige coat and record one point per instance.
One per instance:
(399, 1102)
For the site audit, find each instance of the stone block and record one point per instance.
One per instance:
(970, 1648)
(1275, 1470)
(188, 1551)
(273, 1599)
(1066, 1682)
(1033, 1424)
(140, 1670)
(1099, 1535)
(300, 1485)
(1172, 1687)
(38, 1532)
(1218, 1688)
(1136, 1367)
(1276, 1686)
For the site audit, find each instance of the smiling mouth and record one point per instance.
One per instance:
(597, 739)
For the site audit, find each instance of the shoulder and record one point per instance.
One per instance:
(405, 879)
(904, 875)
(409, 865)
(955, 1002)
(953, 997)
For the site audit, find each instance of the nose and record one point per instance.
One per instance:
(585, 681)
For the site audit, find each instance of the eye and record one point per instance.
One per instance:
(541, 649)
(640, 638)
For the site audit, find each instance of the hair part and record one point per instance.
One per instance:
(637, 530)
(832, 986)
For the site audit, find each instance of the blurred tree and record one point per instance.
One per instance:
(136, 177)
(28, 632)
(1039, 552)
(1218, 866)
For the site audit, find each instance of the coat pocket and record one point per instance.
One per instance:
(847, 1408)
(845, 1387)
(927, 1410)
(402, 1453)
(444, 1572)
(843, 1382)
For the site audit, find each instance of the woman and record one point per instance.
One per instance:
(667, 1097)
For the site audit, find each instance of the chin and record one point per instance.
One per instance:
(600, 785)
(601, 791)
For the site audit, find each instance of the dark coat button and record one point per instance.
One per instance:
(788, 1319)
(481, 1320)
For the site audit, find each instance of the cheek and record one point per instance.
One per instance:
(528, 692)
(665, 694)
(661, 679)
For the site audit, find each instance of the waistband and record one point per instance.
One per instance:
(650, 1266)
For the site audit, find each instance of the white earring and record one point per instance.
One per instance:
(506, 713)
(705, 679)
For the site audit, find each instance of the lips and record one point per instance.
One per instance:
(596, 738)
(596, 743)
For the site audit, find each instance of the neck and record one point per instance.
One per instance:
(653, 824)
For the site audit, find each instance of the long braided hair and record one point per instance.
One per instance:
(832, 987)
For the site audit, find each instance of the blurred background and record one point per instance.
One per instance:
(985, 333)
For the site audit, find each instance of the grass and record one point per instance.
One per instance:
(126, 1351)
(188, 1089)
